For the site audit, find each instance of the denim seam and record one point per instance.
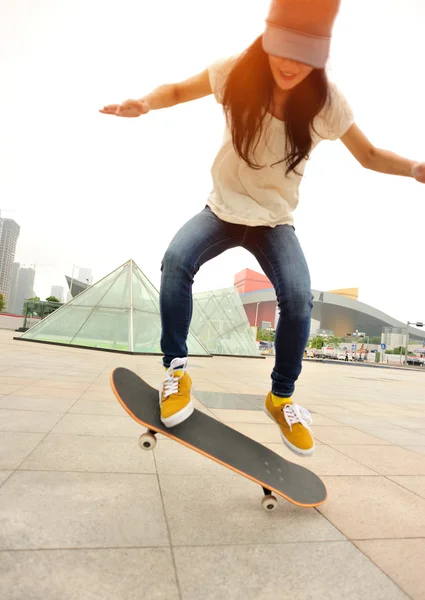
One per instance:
(243, 240)
(272, 268)
(212, 246)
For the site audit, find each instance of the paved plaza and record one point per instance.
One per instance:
(86, 514)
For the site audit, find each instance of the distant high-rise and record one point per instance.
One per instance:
(13, 283)
(85, 275)
(58, 291)
(9, 233)
(24, 288)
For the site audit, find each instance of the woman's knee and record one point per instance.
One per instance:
(297, 304)
(178, 260)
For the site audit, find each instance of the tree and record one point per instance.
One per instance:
(317, 342)
(264, 335)
(2, 302)
(52, 299)
(333, 341)
(398, 350)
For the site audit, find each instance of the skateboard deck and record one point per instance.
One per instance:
(221, 443)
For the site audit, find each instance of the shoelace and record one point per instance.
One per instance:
(294, 413)
(170, 385)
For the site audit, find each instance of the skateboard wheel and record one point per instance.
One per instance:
(147, 441)
(269, 503)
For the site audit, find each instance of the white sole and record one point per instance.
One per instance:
(291, 447)
(180, 416)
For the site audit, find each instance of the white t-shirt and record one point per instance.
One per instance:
(266, 196)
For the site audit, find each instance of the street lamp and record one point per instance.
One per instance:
(417, 324)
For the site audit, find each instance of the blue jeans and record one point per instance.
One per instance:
(282, 260)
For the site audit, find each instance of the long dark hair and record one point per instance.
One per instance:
(248, 97)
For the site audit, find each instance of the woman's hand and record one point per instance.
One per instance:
(129, 108)
(418, 172)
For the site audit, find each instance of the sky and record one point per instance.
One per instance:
(92, 190)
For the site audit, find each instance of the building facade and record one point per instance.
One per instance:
(58, 291)
(338, 311)
(24, 289)
(9, 233)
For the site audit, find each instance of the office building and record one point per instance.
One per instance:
(24, 288)
(58, 292)
(9, 233)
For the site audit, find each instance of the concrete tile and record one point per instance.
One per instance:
(362, 421)
(100, 387)
(208, 510)
(60, 452)
(62, 383)
(83, 380)
(345, 435)
(80, 510)
(15, 447)
(98, 407)
(130, 574)
(36, 403)
(16, 381)
(414, 483)
(47, 392)
(327, 409)
(398, 435)
(222, 400)
(402, 560)
(417, 449)
(176, 459)
(255, 399)
(325, 461)
(310, 571)
(104, 425)
(205, 386)
(4, 475)
(409, 422)
(99, 396)
(390, 461)
(241, 416)
(373, 507)
(322, 420)
(7, 388)
(27, 420)
(29, 375)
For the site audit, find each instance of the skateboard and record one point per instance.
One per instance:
(221, 443)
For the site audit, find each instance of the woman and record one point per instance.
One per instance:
(279, 105)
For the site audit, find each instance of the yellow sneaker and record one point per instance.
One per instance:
(174, 394)
(294, 423)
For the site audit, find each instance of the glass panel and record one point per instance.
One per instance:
(146, 332)
(220, 322)
(145, 296)
(118, 295)
(105, 328)
(61, 326)
(93, 295)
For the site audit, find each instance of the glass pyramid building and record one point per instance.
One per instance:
(220, 322)
(121, 313)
